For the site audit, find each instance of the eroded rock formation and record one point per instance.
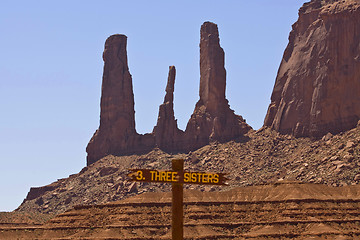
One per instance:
(166, 132)
(116, 133)
(212, 120)
(317, 89)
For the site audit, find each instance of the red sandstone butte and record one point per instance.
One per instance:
(212, 120)
(317, 88)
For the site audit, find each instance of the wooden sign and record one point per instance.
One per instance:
(207, 178)
(177, 177)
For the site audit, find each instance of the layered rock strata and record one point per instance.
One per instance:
(318, 83)
(212, 120)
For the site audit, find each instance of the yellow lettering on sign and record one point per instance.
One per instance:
(139, 175)
(153, 174)
(173, 176)
(193, 177)
(162, 176)
(158, 176)
(216, 178)
(165, 176)
(205, 178)
(186, 177)
(199, 177)
(211, 177)
(168, 176)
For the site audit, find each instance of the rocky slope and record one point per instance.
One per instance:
(212, 120)
(258, 157)
(318, 83)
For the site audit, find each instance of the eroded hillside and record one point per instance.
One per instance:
(260, 157)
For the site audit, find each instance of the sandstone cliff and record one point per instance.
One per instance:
(318, 83)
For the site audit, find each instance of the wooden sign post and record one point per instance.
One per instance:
(177, 177)
(177, 223)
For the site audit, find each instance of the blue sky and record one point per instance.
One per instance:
(51, 69)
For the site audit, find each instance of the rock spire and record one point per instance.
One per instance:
(212, 120)
(116, 134)
(166, 132)
(117, 115)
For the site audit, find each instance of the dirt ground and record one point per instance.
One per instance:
(284, 210)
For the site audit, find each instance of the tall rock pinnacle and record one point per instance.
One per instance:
(212, 120)
(212, 70)
(117, 115)
(317, 88)
(167, 134)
